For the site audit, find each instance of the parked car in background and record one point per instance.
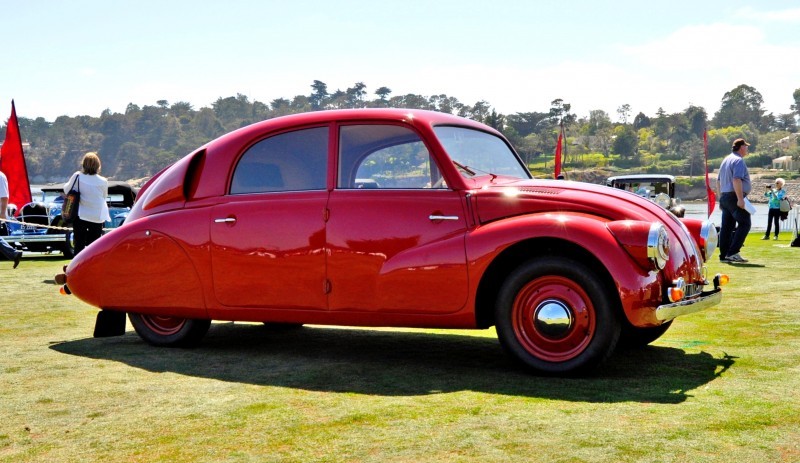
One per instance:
(657, 188)
(278, 222)
(32, 232)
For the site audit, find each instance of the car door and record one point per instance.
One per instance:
(268, 234)
(396, 232)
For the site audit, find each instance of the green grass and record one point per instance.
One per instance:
(721, 386)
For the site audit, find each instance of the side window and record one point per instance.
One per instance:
(385, 156)
(292, 161)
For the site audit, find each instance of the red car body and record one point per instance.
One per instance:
(269, 223)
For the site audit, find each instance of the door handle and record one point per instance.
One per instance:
(225, 220)
(443, 217)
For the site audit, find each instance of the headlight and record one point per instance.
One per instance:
(658, 245)
(663, 200)
(708, 239)
(646, 242)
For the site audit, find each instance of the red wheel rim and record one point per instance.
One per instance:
(571, 298)
(164, 326)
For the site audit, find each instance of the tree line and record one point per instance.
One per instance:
(145, 139)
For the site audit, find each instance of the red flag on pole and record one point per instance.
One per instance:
(557, 159)
(12, 163)
(712, 198)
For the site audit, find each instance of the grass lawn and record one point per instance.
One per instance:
(721, 386)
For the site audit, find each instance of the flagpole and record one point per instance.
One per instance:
(557, 157)
(12, 163)
(712, 198)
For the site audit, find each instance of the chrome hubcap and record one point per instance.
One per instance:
(553, 319)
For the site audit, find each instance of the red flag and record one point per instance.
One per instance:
(12, 163)
(712, 198)
(557, 159)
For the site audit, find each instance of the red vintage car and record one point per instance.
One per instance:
(394, 217)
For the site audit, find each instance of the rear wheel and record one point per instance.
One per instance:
(554, 315)
(160, 330)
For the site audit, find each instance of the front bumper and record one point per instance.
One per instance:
(705, 300)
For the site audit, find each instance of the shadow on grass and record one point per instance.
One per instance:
(393, 363)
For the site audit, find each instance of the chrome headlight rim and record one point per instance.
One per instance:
(709, 238)
(663, 200)
(658, 245)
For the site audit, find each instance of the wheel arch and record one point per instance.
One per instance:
(513, 256)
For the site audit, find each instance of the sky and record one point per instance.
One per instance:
(81, 57)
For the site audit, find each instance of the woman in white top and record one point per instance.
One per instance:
(92, 209)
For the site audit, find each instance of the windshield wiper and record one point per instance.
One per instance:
(469, 170)
(464, 168)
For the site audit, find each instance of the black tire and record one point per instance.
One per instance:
(554, 315)
(166, 331)
(632, 337)
(68, 247)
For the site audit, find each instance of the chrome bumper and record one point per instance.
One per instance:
(22, 239)
(705, 300)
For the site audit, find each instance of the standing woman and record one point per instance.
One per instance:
(775, 196)
(92, 209)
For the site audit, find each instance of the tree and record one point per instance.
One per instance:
(697, 119)
(355, 95)
(624, 113)
(383, 95)
(625, 141)
(641, 121)
(598, 121)
(319, 94)
(784, 122)
(495, 120)
(559, 112)
(740, 106)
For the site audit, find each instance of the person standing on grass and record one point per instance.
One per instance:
(6, 249)
(733, 183)
(775, 196)
(92, 208)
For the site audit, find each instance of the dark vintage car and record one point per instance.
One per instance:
(275, 223)
(657, 188)
(40, 227)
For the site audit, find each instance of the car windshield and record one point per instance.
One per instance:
(479, 153)
(51, 196)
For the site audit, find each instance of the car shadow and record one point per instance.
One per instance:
(397, 363)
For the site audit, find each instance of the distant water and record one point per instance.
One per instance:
(699, 210)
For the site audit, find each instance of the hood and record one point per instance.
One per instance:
(500, 199)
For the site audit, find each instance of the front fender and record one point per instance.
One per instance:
(639, 290)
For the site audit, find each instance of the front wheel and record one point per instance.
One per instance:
(555, 316)
(160, 330)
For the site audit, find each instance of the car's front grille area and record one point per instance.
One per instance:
(692, 290)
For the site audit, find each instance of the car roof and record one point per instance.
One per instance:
(640, 178)
(114, 187)
(409, 116)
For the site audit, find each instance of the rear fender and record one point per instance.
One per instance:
(136, 268)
